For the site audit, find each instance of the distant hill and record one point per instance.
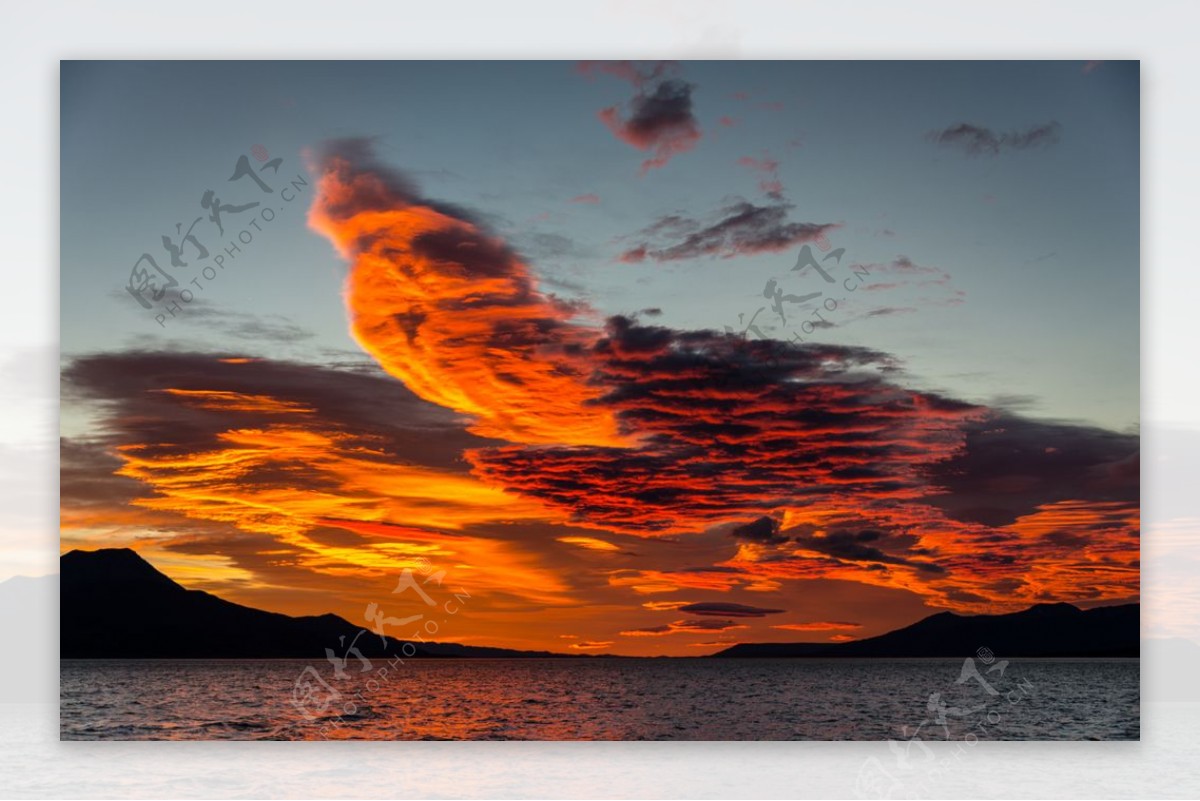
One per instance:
(1045, 630)
(115, 605)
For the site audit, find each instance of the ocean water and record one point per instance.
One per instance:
(601, 699)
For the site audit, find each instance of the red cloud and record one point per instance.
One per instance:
(658, 118)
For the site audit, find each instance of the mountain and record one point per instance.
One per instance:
(1045, 630)
(115, 605)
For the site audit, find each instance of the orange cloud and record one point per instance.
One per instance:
(453, 313)
(818, 626)
(685, 627)
(590, 543)
(790, 463)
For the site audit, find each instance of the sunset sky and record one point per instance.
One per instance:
(479, 318)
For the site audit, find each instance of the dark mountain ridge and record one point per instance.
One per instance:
(1046, 630)
(115, 605)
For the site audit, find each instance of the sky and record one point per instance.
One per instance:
(650, 358)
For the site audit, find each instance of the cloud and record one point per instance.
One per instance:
(637, 73)
(975, 140)
(654, 432)
(272, 461)
(591, 645)
(725, 428)
(757, 465)
(241, 326)
(739, 229)
(590, 543)
(659, 606)
(450, 310)
(684, 627)
(866, 546)
(659, 118)
(768, 168)
(831, 625)
(1011, 466)
(590, 197)
(764, 529)
(728, 610)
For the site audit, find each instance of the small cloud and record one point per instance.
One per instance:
(823, 625)
(728, 610)
(590, 543)
(1042, 258)
(976, 141)
(768, 168)
(660, 121)
(591, 645)
(637, 73)
(658, 118)
(660, 606)
(590, 197)
(740, 229)
(763, 530)
(635, 255)
(1089, 66)
(684, 627)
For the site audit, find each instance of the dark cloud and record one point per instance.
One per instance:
(764, 530)
(718, 609)
(866, 546)
(181, 402)
(659, 118)
(1010, 465)
(684, 627)
(975, 141)
(728, 427)
(740, 229)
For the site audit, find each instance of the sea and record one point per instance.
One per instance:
(601, 698)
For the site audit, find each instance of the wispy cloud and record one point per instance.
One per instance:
(739, 229)
(975, 140)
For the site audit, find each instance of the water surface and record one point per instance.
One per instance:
(600, 699)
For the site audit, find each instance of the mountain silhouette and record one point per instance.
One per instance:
(116, 605)
(1045, 630)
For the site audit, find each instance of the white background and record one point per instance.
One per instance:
(1162, 34)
